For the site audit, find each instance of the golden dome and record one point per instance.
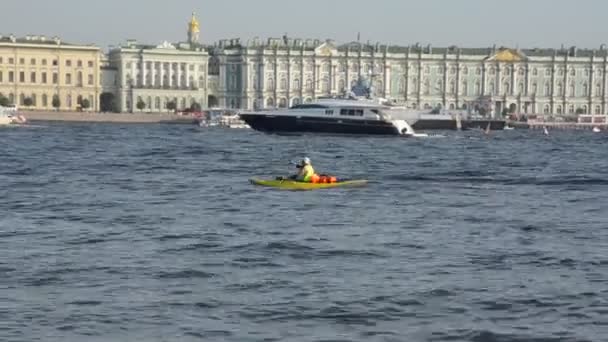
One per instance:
(194, 26)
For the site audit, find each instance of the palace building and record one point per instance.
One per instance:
(164, 77)
(282, 72)
(39, 73)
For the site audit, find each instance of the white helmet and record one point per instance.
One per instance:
(306, 161)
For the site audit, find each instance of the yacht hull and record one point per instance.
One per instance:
(291, 124)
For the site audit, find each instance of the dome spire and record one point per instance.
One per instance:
(193, 30)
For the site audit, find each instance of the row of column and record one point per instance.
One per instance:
(162, 76)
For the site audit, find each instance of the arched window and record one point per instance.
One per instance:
(452, 87)
(325, 85)
(465, 88)
(521, 71)
(427, 106)
(598, 109)
(507, 88)
(598, 89)
(401, 85)
(521, 88)
(283, 84)
(558, 109)
(546, 109)
(426, 87)
(282, 102)
(296, 84)
(414, 87)
(341, 85)
(571, 109)
(534, 72)
(534, 88)
(452, 106)
(45, 100)
(477, 88)
(295, 101)
(309, 84)
(478, 71)
(560, 89)
(492, 71)
(439, 87)
(572, 72)
(491, 88)
(585, 89)
(270, 84)
(572, 90)
(269, 102)
(585, 109)
(157, 103)
(547, 89)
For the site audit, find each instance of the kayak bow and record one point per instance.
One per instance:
(295, 185)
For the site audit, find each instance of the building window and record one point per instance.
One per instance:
(33, 77)
(507, 88)
(465, 88)
(22, 76)
(453, 70)
(79, 79)
(560, 89)
(507, 71)
(1, 77)
(547, 89)
(44, 61)
(452, 87)
(11, 77)
(572, 90)
(598, 110)
(90, 64)
(521, 89)
(270, 84)
(571, 109)
(465, 70)
(534, 72)
(572, 72)
(492, 71)
(68, 79)
(309, 84)
(478, 71)
(55, 63)
(585, 89)
(520, 71)
(11, 61)
(546, 109)
(69, 101)
(560, 72)
(477, 88)
(45, 100)
(598, 89)
(534, 88)
(296, 84)
(341, 85)
(548, 72)
(33, 61)
(21, 61)
(90, 80)
(283, 84)
(68, 63)
(55, 78)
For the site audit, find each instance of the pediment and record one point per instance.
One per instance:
(326, 49)
(507, 55)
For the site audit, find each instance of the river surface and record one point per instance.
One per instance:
(153, 233)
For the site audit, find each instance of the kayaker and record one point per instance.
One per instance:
(306, 171)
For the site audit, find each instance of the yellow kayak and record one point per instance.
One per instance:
(295, 185)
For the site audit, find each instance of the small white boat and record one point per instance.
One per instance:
(10, 116)
(508, 128)
(596, 130)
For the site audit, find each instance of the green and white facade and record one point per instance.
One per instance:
(282, 72)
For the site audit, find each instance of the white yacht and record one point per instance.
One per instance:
(342, 116)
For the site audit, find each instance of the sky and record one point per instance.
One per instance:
(464, 23)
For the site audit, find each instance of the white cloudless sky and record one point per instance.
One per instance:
(466, 23)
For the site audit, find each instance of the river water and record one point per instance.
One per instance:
(153, 233)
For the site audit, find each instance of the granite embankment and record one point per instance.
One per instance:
(108, 117)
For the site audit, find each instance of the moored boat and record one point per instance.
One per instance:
(10, 116)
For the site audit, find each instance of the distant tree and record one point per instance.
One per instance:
(195, 107)
(141, 105)
(505, 112)
(85, 104)
(56, 102)
(28, 102)
(171, 106)
(4, 101)
(580, 111)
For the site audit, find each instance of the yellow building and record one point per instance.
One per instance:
(39, 73)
